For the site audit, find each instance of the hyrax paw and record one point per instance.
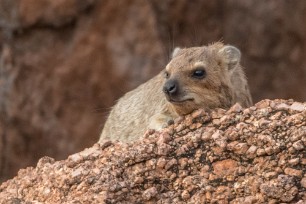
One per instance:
(160, 121)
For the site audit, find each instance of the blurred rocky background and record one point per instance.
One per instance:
(63, 63)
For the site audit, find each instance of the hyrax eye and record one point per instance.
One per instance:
(198, 74)
(166, 74)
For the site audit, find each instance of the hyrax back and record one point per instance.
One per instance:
(199, 77)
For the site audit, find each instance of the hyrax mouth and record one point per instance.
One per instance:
(178, 101)
(173, 93)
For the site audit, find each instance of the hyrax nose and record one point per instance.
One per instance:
(170, 87)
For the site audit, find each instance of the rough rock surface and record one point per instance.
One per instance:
(63, 63)
(254, 155)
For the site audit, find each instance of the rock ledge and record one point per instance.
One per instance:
(254, 155)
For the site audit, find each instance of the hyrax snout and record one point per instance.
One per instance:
(198, 77)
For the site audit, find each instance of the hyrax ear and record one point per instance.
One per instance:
(175, 52)
(232, 56)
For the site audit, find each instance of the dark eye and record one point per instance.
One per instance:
(198, 74)
(166, 74)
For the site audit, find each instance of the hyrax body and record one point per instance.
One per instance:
(199, 77)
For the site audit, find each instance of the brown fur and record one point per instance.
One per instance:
(147, 107)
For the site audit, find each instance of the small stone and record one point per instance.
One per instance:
(293, 172)
(46, 191)
(303, 182)
(231, 146)
(164, 138)
(260, 152)
(198, 113)
(297, 106)
(298, 145)
(225, 167)
(161, 162)
(77, 172)
(270, 174)
(138, 180)
(185, 195)
(89, 152)
(269, 150)
(180, 127)
(183, 162)
(241, 148)
(75, 158)
(282, 106)
(163, 149)
(216, 122)
(45, 160)
(207, 136)
(171, 163)
(173, 176)
(262, 104)
(294, 161)
(149, 193)
(251, 152)
(182, 150)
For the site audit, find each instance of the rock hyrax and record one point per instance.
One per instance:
(198, 77)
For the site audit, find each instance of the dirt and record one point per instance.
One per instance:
(253, 155)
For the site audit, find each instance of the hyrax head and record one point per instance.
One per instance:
(200, 77)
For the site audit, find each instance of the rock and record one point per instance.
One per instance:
(303, 182)
(256, 166)
(149, 193)
(297, 106)
(64, 63)
(225, 167)
(293, 172)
